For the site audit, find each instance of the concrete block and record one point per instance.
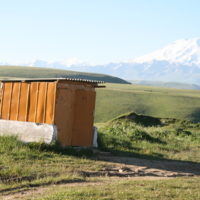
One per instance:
(29, 131)
(95, 135)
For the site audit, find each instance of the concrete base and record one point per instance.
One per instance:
(95, 144)
(28, 131)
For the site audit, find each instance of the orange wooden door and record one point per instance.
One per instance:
(63, 114)
(83, 118)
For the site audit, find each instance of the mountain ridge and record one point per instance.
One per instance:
(179, 61)
(181, 51)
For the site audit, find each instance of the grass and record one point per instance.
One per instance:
(26, 165)
(176, 85)
(117, 99)
(153, 138)
(187, 188)
(23, 166)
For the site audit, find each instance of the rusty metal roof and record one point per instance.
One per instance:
(51, 79)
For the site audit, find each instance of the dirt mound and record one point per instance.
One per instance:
(146, 120)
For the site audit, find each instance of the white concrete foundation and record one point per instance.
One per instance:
(29, 131)
(95, 144)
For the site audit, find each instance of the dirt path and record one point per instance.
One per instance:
(129, 166)
(120, 168)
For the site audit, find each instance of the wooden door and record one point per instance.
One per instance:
(83, 118)
(63, 116)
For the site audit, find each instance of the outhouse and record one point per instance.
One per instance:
(37, 109)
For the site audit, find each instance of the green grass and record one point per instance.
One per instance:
(152, 138)
(26, 165)
(37, 72)
(176, 85)
(117, 99)
(23, 166)
(187, 188)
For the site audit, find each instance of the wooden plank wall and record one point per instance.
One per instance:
(30, 102)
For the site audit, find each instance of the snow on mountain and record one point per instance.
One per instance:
(75, 61)
(179, 61)
(182, 51)
(4, 63)
(56, 65)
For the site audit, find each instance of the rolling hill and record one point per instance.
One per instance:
(175, 85)
(117, 99)
(36, 72)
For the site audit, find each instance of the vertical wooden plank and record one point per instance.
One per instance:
(45, 102)
(18, 101)
(32, 102)
(9, 112)
(6, 100)
(36, 99)
(50, 103)
(27, 102)
(40, 105)
(23, 102)
(14, 101)
(1, 103)
(55, 97)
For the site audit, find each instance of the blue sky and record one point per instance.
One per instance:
(96, 31)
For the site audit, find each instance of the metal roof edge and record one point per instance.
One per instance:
(51, 79)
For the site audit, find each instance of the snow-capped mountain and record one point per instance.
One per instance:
(74, 62)
(179, 61)
(182, 51)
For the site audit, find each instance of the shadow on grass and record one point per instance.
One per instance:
(195, 116)
(126, 153)
(29, 185)
(154, 161)
(20, 150)
(58, 149)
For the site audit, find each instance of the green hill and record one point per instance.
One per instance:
(117, 99)
(175, 85)
(37, 72)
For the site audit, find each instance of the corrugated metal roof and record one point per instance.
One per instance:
(51, 79)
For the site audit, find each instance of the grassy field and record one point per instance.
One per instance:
(29, 167)
(40, 171)
(117, 99)
(186, 188)
(175, 85)
(152, 138)
(37, 72)
(25, 165)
